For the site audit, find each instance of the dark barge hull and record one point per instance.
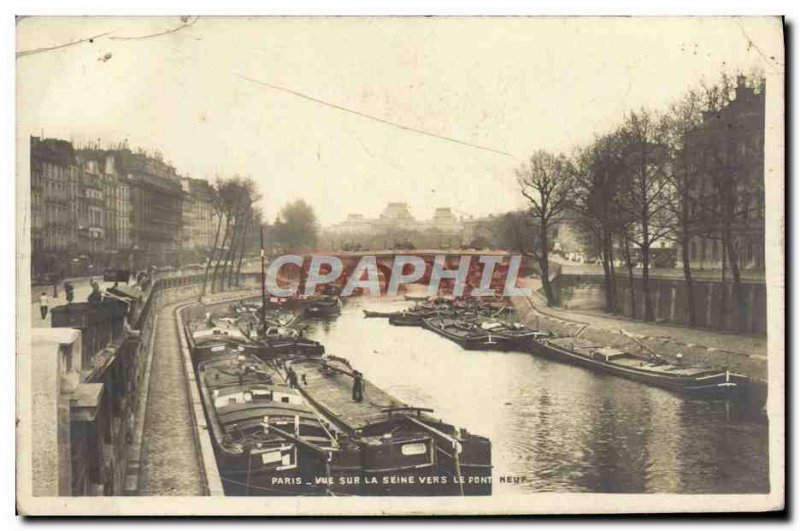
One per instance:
(317, 310)
(481, 342)
(521, 342)
(290, 347)
(719, 386)
(207, 350)
(252, 472)
(371, 314)
(240, 478)
(243, 478)
(243, 474)
(406, 320)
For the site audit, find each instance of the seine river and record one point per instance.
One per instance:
(555, 427)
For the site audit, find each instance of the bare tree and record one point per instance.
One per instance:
(248, 195)
(645, 193)
(218, 211)
(228, 190)
(253, 219)
(625, 238)
(685, 151)
(545, 181)
(241, 195)
(237, 213)
(597, 177)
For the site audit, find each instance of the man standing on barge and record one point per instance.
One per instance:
(291, 377)
(358, 386)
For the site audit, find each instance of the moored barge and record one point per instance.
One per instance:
(517, 335)
(688, 380)
(372, 314)
(467, 333)
(267, 439)
(404, 449)
(322, 307)
(281, 341)
(409, 318)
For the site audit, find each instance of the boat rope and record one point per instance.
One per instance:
(457, 459)
(321, 421)
(453, 441)
(247, 477)
(644, 347)
(325, 428)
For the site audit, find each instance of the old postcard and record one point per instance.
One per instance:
(399, 265)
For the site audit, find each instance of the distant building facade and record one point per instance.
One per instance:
(94, 208)
(396, 213)
(99, 167)
(156, 200)
(352, 225)
(396, 227)
(736, 133)
(445, 222)
(198, 218)
(54, 202)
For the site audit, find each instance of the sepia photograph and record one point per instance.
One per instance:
(371, 265)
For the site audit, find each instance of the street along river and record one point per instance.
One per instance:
(555, 427)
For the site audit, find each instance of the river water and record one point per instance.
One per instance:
(555, 427)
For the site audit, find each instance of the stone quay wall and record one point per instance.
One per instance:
(714, 301)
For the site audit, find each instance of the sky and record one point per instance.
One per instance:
(505, 86)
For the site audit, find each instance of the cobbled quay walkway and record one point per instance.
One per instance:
(170, 460)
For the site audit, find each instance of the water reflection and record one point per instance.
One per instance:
(563, 428)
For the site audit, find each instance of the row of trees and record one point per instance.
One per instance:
(234, 201)
(656, 177)
(239, 226)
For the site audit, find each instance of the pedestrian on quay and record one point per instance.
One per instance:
(358, 386)
(69, 291)
(44, 303)
(95, 295)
